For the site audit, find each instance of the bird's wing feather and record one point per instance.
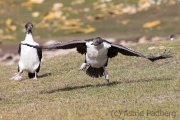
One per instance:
(39, 52)
(79, 44)
(115, 48)
(19, 49)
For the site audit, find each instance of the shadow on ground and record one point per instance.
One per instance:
(113, 83)
(45, 75)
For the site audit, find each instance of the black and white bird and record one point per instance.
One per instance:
(97, 51)
(172, 37)
(30, 58)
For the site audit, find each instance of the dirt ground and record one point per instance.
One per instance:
(8, 49)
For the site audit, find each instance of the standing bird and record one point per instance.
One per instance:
(172, 37)
(30, 58)
(97, 51)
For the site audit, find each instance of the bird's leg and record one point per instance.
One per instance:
(17, 76)
(35, 77)
(106, 74)
(83, 66)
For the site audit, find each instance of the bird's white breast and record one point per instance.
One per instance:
(96, 56)
(29, 60)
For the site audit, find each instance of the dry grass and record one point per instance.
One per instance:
(137, 87)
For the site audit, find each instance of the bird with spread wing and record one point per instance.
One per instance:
(97, 51)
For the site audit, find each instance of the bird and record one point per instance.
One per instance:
(97, 51)
(172, 37)
(30, 58)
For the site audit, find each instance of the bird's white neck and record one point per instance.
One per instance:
(29, 38)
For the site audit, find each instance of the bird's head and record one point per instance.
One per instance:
(97, 41)
(29, 27)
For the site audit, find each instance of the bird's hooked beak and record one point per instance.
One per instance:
(29, 27)
(97, 41)
(95, 44)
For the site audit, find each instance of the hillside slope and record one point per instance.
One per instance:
(65, 20)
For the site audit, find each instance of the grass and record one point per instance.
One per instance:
(138, 89)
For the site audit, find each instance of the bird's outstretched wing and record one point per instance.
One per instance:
(19, 49)
(79, 44)
(39, 52)
(116, 48)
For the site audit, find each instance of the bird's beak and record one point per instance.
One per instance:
(29, 28)
(95, 44)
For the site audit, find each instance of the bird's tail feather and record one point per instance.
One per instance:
(31, 75)
(95, 72)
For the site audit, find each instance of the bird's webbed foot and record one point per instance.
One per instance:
(83, 66)
(106, 74)
(17, 77)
